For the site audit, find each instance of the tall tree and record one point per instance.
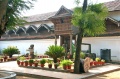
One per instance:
(3, 8)
(10, 13)
(90, 20)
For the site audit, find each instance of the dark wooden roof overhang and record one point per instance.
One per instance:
(113, 21)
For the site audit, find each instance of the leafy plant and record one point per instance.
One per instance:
(26, 61)
(10, 50)
(55, 52)
(64, 63)
(82, 55)
(69, 62)
(102, 60)
(22, 58)
(31, 61)
(43, 61)
(57, 64)
(97, 59)
(50, 61)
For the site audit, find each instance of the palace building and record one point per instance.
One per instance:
(51, 28)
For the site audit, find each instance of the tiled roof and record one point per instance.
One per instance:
(113, 5)
(39, 17)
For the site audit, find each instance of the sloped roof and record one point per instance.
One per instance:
(39, 17)
(113, 5)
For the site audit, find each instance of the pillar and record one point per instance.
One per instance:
(55, 40)
(71, 44)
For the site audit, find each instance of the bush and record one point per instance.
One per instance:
(82, 55)
(66, 62)
(31, 61)
(97, 59)
(10, 50)
(43, 61)
(55, 52)
(22, 58)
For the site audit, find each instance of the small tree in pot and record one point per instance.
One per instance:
(50, 63)
(22, 58)
(10, 50)
(42, 62)
(36, 63)
(55, 52)
(31, 62)
(25, 63)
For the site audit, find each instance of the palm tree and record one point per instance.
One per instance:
(90, 20)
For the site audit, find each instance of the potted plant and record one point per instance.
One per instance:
(55, 52)
(42, 62)
(10, 50)
(102, 61)
(50, 63)
(1, 59)
(36, 63)
(25, 63)
(18, 61)
(69, 63)
(22, 58)
(97, 60)
(56, 65)
(64, 63)
(31, 62)
(5, 58)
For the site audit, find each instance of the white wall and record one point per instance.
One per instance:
(40, 46)
(98, 43)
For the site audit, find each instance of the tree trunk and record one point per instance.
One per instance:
(3, 20)
(77, 55)
(84, 6)
(79, 42)
(3, 8)
(55, 60)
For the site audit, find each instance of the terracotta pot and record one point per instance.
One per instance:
(25, 63)
(18, 62)
(99, 63)
(5, 59)
(1, 60)
(69, 66)
(102, 63)
(91, 63)
(50, 65)
(22, 63)
(42, 65)
(95, 63)
(55, 66)
(65, 67)
(35, 64)
(9, 59)
(30, 64)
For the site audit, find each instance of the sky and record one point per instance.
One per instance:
(45, 6)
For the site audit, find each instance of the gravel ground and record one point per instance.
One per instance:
(112, 75)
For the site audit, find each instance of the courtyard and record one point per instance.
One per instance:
(45, 74)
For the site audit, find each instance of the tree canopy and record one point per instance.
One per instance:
(12, 13)
(90, 20)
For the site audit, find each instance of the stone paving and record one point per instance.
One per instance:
(12, 66)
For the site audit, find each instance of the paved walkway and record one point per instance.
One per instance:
(12, 66)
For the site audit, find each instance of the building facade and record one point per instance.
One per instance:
(55, 28)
